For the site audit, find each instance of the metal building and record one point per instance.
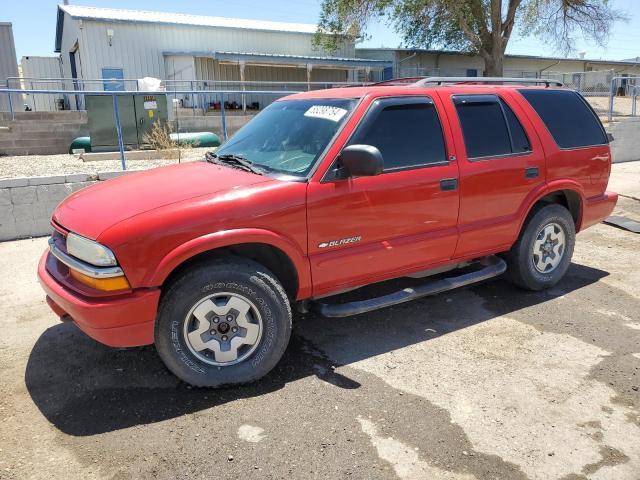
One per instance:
(8, 63)
(102, 43)
(408, 62)
(36, 74)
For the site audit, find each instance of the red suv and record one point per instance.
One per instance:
(325, 192)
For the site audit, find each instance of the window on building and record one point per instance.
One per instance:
(406, 131)
(114, 79)
(571, 122)
(489, 126)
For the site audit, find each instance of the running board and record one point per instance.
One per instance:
(492, 267)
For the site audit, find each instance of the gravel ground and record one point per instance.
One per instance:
(487, 382)
(43, 165)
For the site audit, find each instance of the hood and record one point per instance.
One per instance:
(91, 210)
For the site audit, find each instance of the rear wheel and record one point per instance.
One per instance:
(224, 322)
(542, 254)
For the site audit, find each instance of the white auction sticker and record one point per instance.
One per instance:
(327, 112)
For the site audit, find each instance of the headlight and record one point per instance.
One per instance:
(90, 251)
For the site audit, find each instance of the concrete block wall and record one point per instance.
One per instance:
(26, 204)
(40, 133)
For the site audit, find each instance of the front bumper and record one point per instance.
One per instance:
(120, 321)
(596, 209)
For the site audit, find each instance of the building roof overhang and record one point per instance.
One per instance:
(286, 60)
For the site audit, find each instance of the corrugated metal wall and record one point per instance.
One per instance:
(41, 67)
(428, 63)
(8, 64)
(138, 48)
(72, 41)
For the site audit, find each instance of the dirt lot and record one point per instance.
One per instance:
(622, 106)
(488, 382)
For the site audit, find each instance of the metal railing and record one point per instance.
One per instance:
(195, 101)
(623, 95)
(131, 84)
(9, 92)
(443, 80)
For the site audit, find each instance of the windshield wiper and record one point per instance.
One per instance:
(236, 161)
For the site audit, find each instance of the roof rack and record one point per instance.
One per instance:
(441, 80)
(398, 81)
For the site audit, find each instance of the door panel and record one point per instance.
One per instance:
(403, 219)
(494, 188)
(102, 125)
(149, 109)
(368, 229)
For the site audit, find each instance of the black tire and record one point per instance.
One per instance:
(521, 269)
(236, 276)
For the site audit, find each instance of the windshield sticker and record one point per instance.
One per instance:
(326, 112)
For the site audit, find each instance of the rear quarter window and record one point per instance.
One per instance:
(571, 122)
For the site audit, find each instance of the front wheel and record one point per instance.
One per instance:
(223, 322)
(542, 254)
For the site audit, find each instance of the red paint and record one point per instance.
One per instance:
(119, 321)
(157, 219)
(598, 208)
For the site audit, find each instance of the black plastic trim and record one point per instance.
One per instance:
(532, 172)
(448, 184)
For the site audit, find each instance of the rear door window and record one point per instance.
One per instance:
(407, 131)
(489, 126)
(569, 119)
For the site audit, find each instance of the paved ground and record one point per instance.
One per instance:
(488, 382)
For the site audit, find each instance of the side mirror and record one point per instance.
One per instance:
(360, 161)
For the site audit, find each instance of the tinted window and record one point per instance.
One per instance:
(483, 126)
(407, 133)
(519, 138)
(569, 119)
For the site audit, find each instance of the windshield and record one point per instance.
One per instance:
(289, 136)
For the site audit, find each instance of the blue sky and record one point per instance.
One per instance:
(34, 23)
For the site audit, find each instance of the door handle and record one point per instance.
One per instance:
(448, 184)
(531, 172)
(602, 158)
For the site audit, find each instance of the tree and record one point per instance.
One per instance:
(483, 27)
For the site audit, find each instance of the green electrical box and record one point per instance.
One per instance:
(138, 113)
